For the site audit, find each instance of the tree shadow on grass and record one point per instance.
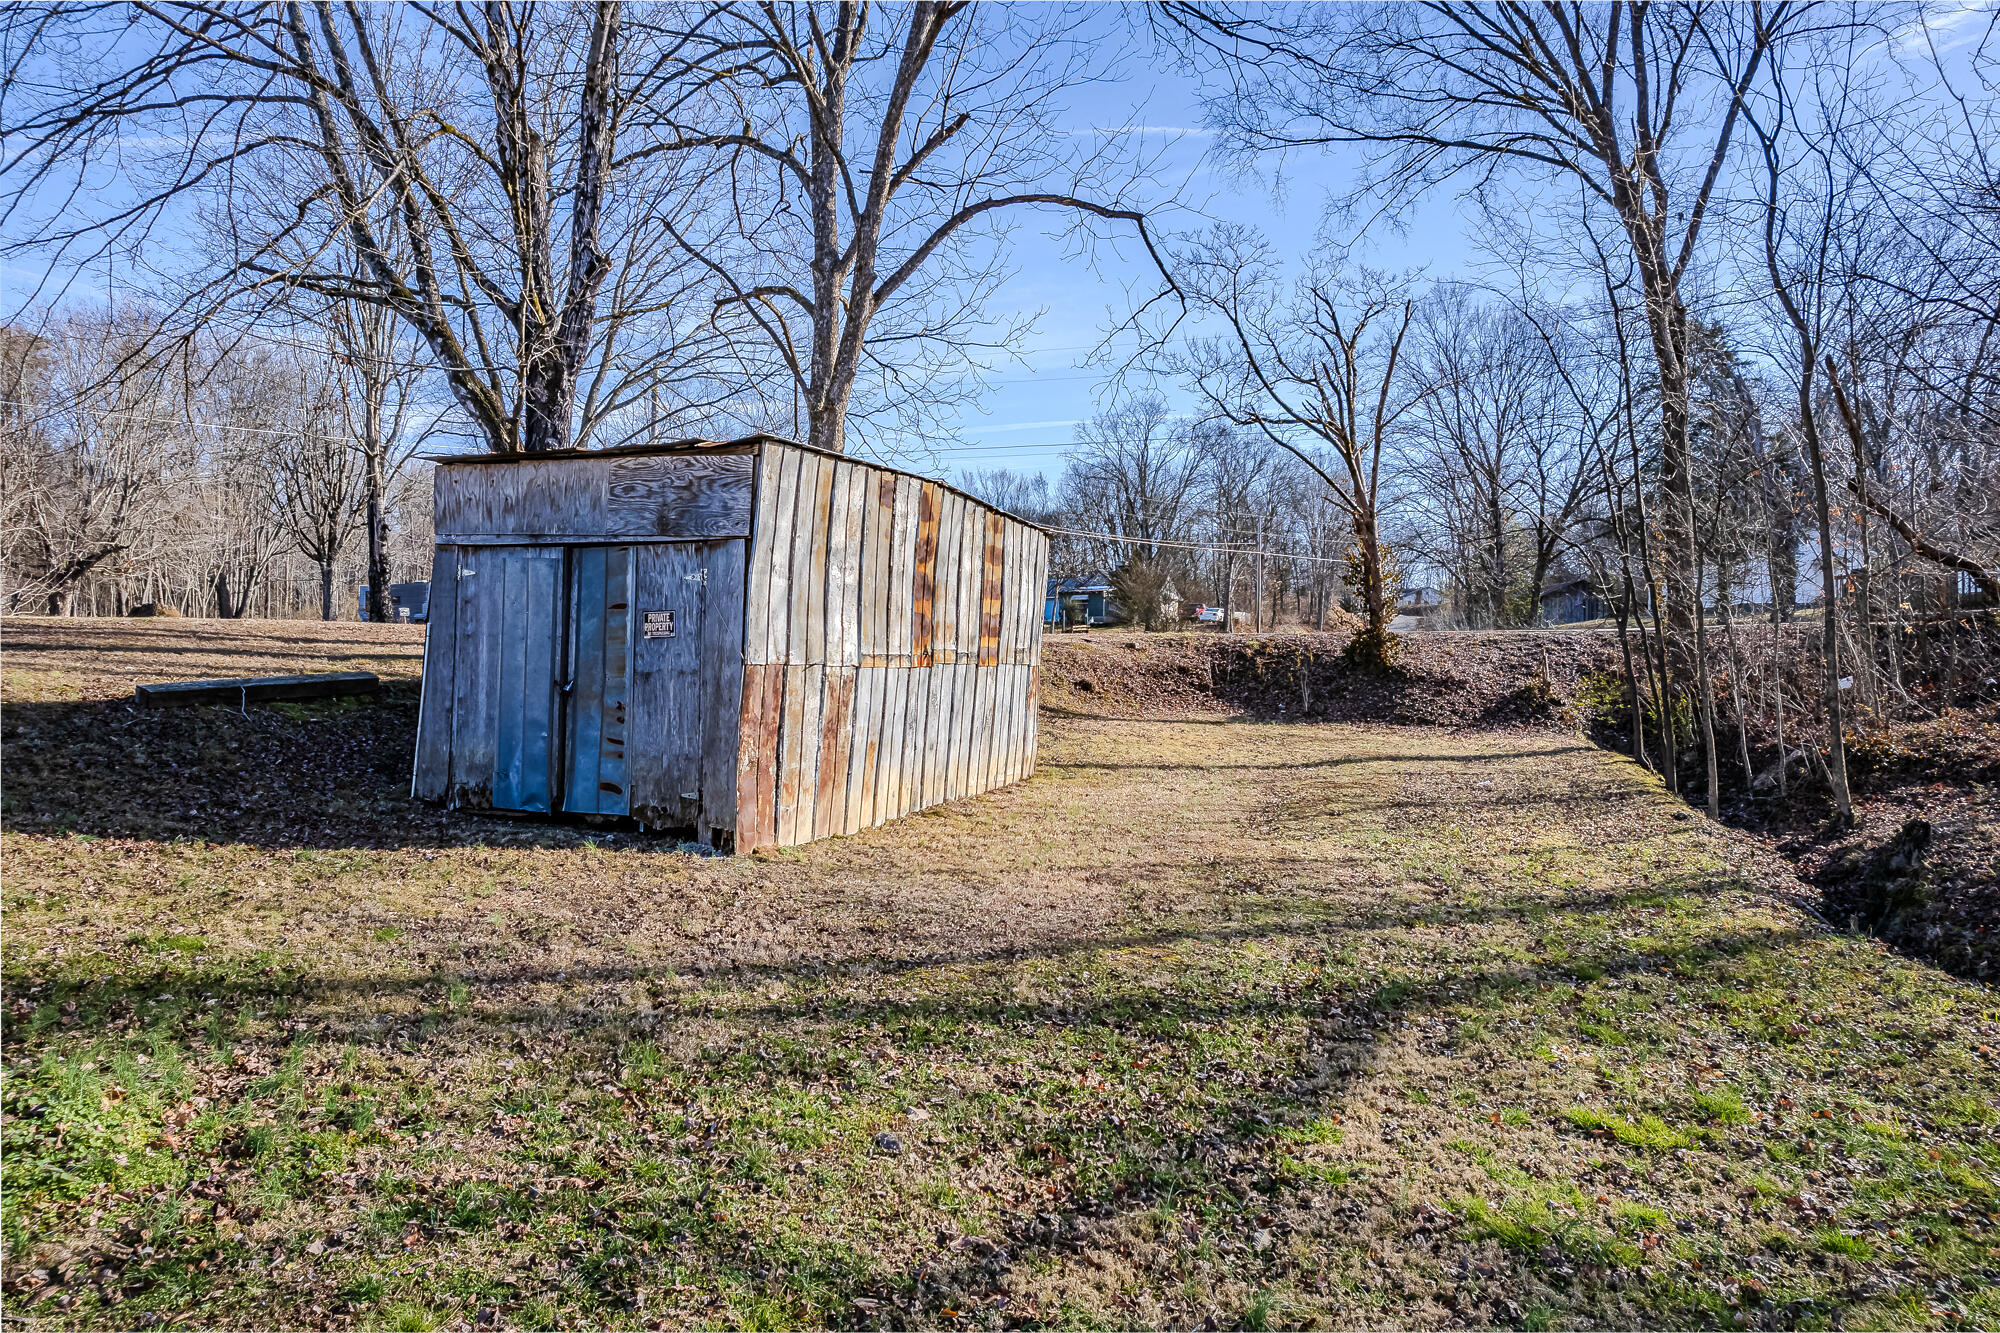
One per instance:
(1084, 1164)
(322, 774)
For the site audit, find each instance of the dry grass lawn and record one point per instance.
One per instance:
(1250, 1025)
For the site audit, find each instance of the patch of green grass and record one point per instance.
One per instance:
(1313, 1131)
(1722, 1106)
(1648, 1131)
(1640, 1216)
(1485, 1220)
(1834, 1241)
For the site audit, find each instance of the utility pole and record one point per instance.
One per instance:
(1257, 593)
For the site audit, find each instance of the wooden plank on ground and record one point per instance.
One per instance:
(252, 689)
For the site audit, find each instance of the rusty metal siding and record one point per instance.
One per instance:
(880, 675)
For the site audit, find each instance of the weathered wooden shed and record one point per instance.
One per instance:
(755, 640)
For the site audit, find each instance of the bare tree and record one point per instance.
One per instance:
(1637, 104)
(83, 440)
(460, 167)
(1136, 470)
(320, 482)
(873, 151)
(1316, 370)
(381, 388)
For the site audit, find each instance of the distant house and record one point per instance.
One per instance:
(1419, 598)
(1083, 600)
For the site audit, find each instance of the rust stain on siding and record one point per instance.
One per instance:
(989, 592)
(924, 583)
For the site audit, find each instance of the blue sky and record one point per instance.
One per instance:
(1032, 410)
(1031, 413)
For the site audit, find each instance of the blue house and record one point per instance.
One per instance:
(1087, 598)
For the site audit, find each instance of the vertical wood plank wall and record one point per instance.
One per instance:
(892, 642)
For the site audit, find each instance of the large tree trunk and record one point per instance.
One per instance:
(1836, 719)
(378, 560)
(1372, 648)
(326, 590)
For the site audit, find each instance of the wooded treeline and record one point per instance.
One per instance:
(1736, 353)
(1728, 361)
(223, 481)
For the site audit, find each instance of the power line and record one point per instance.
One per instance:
(204, 425)
(1196, 546)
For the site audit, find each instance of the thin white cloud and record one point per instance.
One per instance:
(1940, 28)
(1018, 425)
(1191, 130)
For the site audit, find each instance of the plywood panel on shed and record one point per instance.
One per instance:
(527, 498)
(693, 496)
(680, 496)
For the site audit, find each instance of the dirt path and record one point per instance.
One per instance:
(1261, 1024)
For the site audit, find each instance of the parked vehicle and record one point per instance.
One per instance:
(408, 602)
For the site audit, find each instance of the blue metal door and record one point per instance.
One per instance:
(598, 681)
(507, 623)
(530, 610)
